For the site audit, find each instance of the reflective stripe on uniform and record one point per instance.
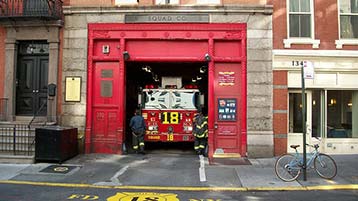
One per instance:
(205, 134)
(202, 125)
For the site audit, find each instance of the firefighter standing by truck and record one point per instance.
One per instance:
(200, 132)
(138, 127)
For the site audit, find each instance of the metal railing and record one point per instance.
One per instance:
(17, 140)
(45, 9)
(3, 109)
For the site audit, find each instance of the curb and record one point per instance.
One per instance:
(11, 159)
(188, 188)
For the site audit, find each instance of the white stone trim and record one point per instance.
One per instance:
(125, 2)
(341, 42)
(171, 2)
(322, 53)
(208, 2)
(210, 9)
(314, 42)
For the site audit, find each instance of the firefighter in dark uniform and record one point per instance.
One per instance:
(200, 133)
(138, 127)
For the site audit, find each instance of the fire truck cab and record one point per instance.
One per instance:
(169, 110)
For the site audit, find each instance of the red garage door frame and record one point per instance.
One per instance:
(225, 43)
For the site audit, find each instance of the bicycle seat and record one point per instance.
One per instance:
(294, 146)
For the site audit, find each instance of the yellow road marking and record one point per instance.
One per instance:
(188, 188)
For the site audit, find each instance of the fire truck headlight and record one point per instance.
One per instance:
(188, 128)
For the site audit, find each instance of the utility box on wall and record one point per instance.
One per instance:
(55, 143)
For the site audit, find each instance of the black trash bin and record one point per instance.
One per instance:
(55, 143)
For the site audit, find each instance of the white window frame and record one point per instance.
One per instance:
(340, 42)
(125, 2)
(298, 40)
(171, 2)
(208, 2)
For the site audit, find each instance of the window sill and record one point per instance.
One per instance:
(125, 2)
(302, 41)
(341, 42)
(208, 2)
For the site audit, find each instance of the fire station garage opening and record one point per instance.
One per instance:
(168, 94)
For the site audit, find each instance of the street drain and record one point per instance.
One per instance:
(60, 169)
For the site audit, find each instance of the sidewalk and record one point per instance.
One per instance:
(175, 171)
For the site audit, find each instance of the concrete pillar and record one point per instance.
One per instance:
(53, 41)
(10, 75)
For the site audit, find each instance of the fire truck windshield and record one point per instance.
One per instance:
(170, 99)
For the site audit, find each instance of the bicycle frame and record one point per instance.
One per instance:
(298, 162)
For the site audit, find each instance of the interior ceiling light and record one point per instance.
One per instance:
(203, 69)
(147, 69)
(198, 78)
(193, 80)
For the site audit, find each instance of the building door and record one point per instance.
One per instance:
(105, 108)
(313, 118)
(32, 80)
(228, 109)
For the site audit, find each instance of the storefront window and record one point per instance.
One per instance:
(295, 112)
(342, 114)
(316, 113)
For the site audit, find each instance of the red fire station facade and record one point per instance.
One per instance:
(223, 46)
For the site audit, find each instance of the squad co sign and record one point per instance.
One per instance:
(167, 18)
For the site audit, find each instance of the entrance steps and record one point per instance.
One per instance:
(17, 139)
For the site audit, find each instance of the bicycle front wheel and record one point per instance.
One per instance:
(325, 166)
(287, 167)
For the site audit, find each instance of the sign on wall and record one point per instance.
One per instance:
(73, 89)
(166, 18)
(308, 70)
(227, 109)
(226, 78)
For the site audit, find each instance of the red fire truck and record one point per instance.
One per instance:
(169, 111)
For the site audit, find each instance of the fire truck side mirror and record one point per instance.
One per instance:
(202, 99)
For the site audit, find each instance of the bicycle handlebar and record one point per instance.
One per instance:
(316, 146)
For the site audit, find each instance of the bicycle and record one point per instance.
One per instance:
(288, 166)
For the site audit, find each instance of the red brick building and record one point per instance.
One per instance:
(324, 33)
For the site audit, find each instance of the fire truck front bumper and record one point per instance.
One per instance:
(168, 137)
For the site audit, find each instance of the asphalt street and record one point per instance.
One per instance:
(40, 192)
(170, 177)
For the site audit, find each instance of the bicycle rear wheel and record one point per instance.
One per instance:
(287, 168)
(325, 166)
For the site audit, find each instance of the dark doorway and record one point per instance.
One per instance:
(140, 74)
(31, 79)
